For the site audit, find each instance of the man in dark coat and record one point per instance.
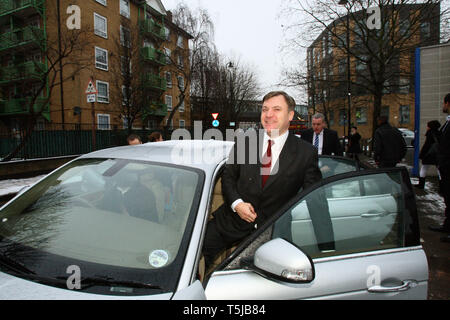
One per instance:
(325, 140)
(253, 192)
(389, 146)
(444, 169)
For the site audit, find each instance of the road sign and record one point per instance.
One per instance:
(215, 123)
(215, 115)
(91, 89)
(91, 97)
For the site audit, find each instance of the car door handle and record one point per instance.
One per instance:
(407, 284)
(374, 214)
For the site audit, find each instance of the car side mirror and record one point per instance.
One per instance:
(283, 261)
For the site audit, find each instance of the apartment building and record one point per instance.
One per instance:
(328, 90)
(121, 46)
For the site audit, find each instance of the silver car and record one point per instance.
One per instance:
(129, 223)
(408, 135)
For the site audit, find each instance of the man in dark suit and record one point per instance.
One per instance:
(443, 160)
(254, 191)
(325, 140)
(389, 146)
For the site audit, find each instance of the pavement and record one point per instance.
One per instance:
(430, 209)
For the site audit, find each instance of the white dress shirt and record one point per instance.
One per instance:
(319, 150)
(277, 146)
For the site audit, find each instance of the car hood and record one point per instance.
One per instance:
(19, 289)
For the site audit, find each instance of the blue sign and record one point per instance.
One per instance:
(215, 123)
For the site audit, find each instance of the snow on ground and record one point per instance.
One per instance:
(14, 185)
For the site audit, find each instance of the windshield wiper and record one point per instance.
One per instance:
(102, 280)
(15, 266)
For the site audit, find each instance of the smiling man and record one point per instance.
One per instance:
(254, 192)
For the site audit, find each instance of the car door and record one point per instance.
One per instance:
(377, 252)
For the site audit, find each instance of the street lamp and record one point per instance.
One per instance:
(349, 94)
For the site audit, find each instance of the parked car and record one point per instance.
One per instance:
(408, 135)
(129, 222)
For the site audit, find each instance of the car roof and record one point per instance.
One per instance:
(202, 154)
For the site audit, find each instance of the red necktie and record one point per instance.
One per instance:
(267, 163)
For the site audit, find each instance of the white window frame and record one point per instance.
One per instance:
(102, 2)
(107, 92)
(182, 82)
(168, 76)
(167, 33)
(181, 123)
(168, 53)
(181, 108)
(101, 65)
(100, 33)
(167, 99)
(180, 61)
(127, 13)
(124, 101)
(180, 41)
(100, 127)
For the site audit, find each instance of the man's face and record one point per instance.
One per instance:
(446, 107)
(275, 115)
(317, 125)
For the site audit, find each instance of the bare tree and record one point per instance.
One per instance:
(380, 47)
(61, 54)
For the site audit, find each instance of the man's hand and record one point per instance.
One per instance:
(246, 212)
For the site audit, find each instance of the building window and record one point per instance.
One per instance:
(125, 65)
(404, 85)
(125, 37)
(167, 33)
(180, 61)
(103, 91)
(126, 95)
(361, 115)
(168, 53)
(181, 108)
(180, 41)
(103, 2)
(342, 66)
(425, 30)
(171, 124)
(103, 122)
(125, 8)
(180, 80)
(168, 79)
(331, 117)
(182, 124)
(100, 26)
(151, 124)
(168, 101)
(404, 28)
(404, 115)
(101, 58)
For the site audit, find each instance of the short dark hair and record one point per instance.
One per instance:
(447, 98)
(383, 119)
(154, 136)
(433, 124)
(355, 128)
(289, 100)
(133, 136)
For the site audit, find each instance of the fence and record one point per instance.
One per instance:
(52, 141)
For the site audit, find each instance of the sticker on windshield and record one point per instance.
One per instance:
(158, 258)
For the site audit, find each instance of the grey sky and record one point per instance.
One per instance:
(253, 36)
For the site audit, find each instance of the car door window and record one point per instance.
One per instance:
(365, 213)
(331, 165)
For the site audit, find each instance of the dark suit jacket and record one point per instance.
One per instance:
(298, 167)
(444, 148)
(330, 141)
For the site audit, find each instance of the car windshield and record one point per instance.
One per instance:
(126, 220)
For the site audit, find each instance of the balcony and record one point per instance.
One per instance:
(155, 108)
(23, 8)
(28, 36)
(149, 27)
(152, 55)
(21, 106)
(153, 81)
(25, 71)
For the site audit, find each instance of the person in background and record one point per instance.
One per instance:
(155, 137)
(443, 160)
(354, 147)
(389, 146)
(325, 140)
(427, 153)
(134, 139)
